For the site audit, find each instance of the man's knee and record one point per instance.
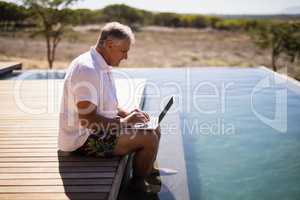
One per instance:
(157, 132)
(127, 144)
(151, 141)
(135, 142)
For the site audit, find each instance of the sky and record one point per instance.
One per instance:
(198, 6)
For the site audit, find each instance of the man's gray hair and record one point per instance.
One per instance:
(115, 30)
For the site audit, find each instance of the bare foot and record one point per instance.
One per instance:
(141, 185)
(163, 171)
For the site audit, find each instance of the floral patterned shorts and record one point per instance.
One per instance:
(100, 144)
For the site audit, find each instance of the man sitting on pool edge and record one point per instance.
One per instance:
(91, 122)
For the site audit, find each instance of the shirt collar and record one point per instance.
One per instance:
(101, 63)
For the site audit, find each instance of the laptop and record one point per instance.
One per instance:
(154, 121)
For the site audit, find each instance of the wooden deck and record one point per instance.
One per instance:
(30, 165)
(8, 67)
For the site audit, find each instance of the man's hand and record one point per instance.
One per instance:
(134, 117)
(123, 113)
(140, 111)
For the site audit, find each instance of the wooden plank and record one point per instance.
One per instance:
(83, 181)
(28, 142)
(24, 135)
(22, 138)
(28, 150)
(31, 154)
(55, 159)
(10, 176)
(118, 179)
(18, 130)
(56, 188)
(59, 164)
(59, 169)
(28, 146)
(54, 196)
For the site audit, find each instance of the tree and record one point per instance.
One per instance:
(282, 38)
(123, 14)
(167, 19)
(272, 36)
(11, 15)
(292, 42)
(52, 17)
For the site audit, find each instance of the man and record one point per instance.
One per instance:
(91, 122)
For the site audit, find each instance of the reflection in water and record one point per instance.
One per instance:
(35, 75)
(164, 194)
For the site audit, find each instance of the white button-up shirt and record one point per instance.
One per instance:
(89, 78)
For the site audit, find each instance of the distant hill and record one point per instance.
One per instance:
(291, 11)
(283, 16)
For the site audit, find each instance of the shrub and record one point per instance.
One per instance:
(231, 24)
(123, 14)
(280, 37)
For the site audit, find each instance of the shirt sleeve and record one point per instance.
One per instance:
(84, 84)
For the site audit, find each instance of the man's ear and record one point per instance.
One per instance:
(109, 43)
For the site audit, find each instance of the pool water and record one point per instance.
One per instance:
(231, 152)
(239, 129)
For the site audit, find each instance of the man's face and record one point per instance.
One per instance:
(118, 50)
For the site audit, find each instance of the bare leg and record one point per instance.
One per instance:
(144, 144)
(158, 133)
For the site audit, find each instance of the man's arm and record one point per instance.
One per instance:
(89, 118)
(122, 112)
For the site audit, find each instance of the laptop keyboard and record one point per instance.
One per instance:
(151, 123)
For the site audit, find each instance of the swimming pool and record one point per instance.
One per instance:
(239, 128)
(234, 148)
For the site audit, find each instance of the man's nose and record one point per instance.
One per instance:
(125, 57)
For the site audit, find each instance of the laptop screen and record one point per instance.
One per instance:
(165, 110)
